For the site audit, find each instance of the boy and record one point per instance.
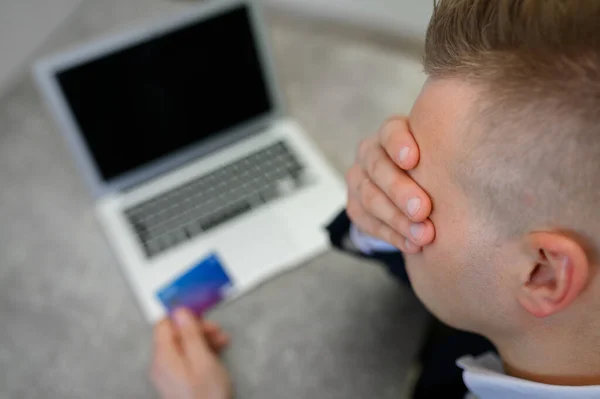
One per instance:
(508, 133)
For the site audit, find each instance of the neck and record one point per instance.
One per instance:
(572, 362)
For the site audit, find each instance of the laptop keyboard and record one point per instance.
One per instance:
(193, 208)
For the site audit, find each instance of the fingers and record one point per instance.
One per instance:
(167, 356)
(374, 213)
(193, 342)
(396, 184)
(399, 143)
(216, 337)
(376, 228)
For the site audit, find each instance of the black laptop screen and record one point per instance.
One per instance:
(136, 105)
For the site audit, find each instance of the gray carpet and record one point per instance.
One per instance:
(335, 328)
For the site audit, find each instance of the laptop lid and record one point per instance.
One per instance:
(142, 103)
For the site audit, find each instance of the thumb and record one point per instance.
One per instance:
(193, 342)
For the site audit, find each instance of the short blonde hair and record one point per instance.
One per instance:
(535, 161)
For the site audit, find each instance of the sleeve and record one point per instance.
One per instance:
(347, 238)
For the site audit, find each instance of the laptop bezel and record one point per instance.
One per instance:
(46, 72)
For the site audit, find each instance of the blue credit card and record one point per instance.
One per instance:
(199, 289)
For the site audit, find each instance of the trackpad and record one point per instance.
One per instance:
(255, 250)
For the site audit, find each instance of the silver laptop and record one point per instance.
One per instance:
(179, 130)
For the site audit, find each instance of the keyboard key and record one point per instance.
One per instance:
(181, 235)
(165, 242)
(193, 229)
(152, 247)
(269, 193)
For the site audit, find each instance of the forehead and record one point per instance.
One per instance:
(440, 119)
(441, 113)
(439, 122)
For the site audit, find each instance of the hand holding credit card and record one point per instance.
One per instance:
(199, 289)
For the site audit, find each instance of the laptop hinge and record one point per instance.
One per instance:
(235, 138)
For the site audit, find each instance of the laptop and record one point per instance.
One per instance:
(179, 129)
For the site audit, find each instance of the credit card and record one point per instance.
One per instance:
(199, 289)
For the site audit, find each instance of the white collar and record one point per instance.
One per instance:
(485, 378)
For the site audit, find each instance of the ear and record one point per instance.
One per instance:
(557, 274)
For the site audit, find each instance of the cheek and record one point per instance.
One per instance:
(437, 278)
(440, 266)
(450, 279)
(435, 272)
